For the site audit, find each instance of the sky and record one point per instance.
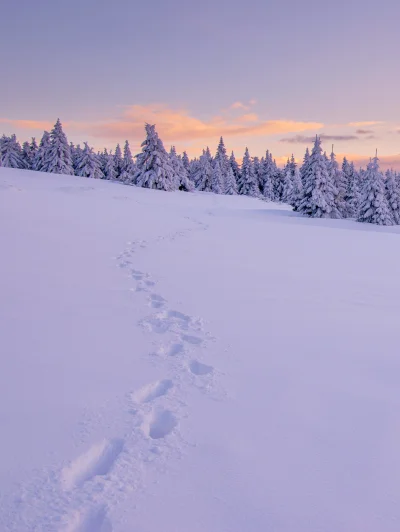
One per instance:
(266, 74)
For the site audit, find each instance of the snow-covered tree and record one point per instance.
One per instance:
(223, 160)
(182, 181)
(352, 196)
(109, 170)
(304, 166)
(267, 172)
(230, 183)
(338, 178)
(278, 181)
(288, 187)
(247, 182)
(204, 172)
(186, 163)
(127, 166)
(88, 164)
(39, 160)
(11, 153)
(393, 196)
(217, 180)
(118, 160)
(257, 173)
(235, 167)
(26, 155)
(153, 168)
(374, 207)
(57, 157)
(319, 192)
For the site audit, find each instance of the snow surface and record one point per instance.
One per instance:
(193, 363)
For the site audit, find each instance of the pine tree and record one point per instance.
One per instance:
(153, 166)
(11, 153)
(319, 192)
(393, 196)
(182, 181)
(204, 173)
(217, 180)
(118, 160)
(109, 171)
(338, 178)
(374, 207)
(88, 164)
(352, 196)
(267, 172)
(304, 166)
(247, 182)
(230, 183)
(257, 173)
(39, 161)
(57, 157)
(193, 169)
(127, 166)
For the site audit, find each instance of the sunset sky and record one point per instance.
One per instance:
(267, 74)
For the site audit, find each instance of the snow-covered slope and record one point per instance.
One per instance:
(190, 362)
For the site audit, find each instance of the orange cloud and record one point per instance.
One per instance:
(177, 125)
(365, 124)
(239, 105)
(250, 117)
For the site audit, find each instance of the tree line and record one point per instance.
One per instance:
(319, 188)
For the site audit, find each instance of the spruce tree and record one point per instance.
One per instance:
(267, 172)
(109, 171)
(230, 183)
(186, 163)
(393, 196)
(118, 160)
(288, 187)
(153, 169)
(204, 172)
(88, 164)
(223, 160)
(26, 155)
(278, 181)
(57, 157)
(217, 180)
(338, 178)
(374, 207)
(11, 153)
(352, 196)
(39, 160)
(127, 165)
(319, 192)
(247, 181)
(235, 168)
(182, 181)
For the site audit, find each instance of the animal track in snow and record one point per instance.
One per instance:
(156, 301)
(98, 460)
(172, 319)
(198, 368)
(152, 391)
(92, 520)
(159, 424)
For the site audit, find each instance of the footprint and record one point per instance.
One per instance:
(156, 323)
(149, 283)
(91, 520)
(160, 424)
(156, 301)
(152, 391)
(137, 275)
(197, 368)
(98, 460)
(195, 340)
